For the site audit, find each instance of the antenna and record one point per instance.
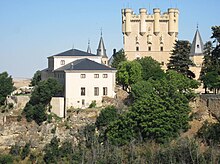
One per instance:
(197, 26)
(149, 8)
(73, 46)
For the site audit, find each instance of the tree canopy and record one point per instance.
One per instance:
(6, 86)
(179, 60)
(210, 72)
(129, 72)
(150, 68)
(118, 57)
(35, 109)
(159, 112)
(36, 78)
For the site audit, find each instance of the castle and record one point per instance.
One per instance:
(149, 35)
(154, 35)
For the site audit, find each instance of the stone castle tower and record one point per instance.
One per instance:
(149, 34)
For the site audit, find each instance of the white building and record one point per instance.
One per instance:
(84, 75)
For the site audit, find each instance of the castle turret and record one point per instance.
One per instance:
(156, 21)
(196, 51)
(101, 51)
(89, 49)
(127, 21)
(143, 28)
(173, 21)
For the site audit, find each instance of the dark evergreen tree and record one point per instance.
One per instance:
(6, 86)
(179, 60)
(210, 73)
(118, 57)
(36, 79)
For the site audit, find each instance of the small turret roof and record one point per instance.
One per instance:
(197, 45)
(89, 49)
(101, 51)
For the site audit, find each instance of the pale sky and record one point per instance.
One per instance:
(32, 30)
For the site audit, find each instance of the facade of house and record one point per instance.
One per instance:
(86, 77)
(149, 34)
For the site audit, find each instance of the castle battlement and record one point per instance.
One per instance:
(147, 34)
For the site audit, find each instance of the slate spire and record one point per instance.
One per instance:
(89, 49)
(101, 51)
(197, 45)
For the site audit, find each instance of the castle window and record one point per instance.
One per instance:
(149, 48)
(62, 62)
(96, 91)
(105, 91)
(105, 75)
(197, 46)
(137, 48)
(83, 76)
(161, 48)
(162, 63)
(83, 91)
(96, 75)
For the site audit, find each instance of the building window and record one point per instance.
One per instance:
(83, 91)
(96, 91)
(162, 63)
(83, 76)
(105, 91)
(83, 102)
(161, 48)
(96, 75)
(105, 75)
(137, 48)
(197, 46)
(149, 48)
(62, 62)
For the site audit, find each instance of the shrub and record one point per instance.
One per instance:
(93, 104)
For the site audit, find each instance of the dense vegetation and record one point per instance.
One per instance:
(6, 86)
(36, 108)
(210, 74)
(36, 78)
(118, 57)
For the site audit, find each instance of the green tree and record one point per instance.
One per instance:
(129, 72)
(118, 57)
(35, 109)
(179, 59)
(151, 68)
(52, 151)
(45, 91)
(106, 116)
(160, 110)
(6, 86)
(25, 151)
(207, 62)
(210, 73)
(6, 159)
(36, 79)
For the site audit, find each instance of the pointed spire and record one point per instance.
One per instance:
(89, 49)
(197, 44)
(101, 51)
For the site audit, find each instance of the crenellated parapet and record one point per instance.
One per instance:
(171, 17)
